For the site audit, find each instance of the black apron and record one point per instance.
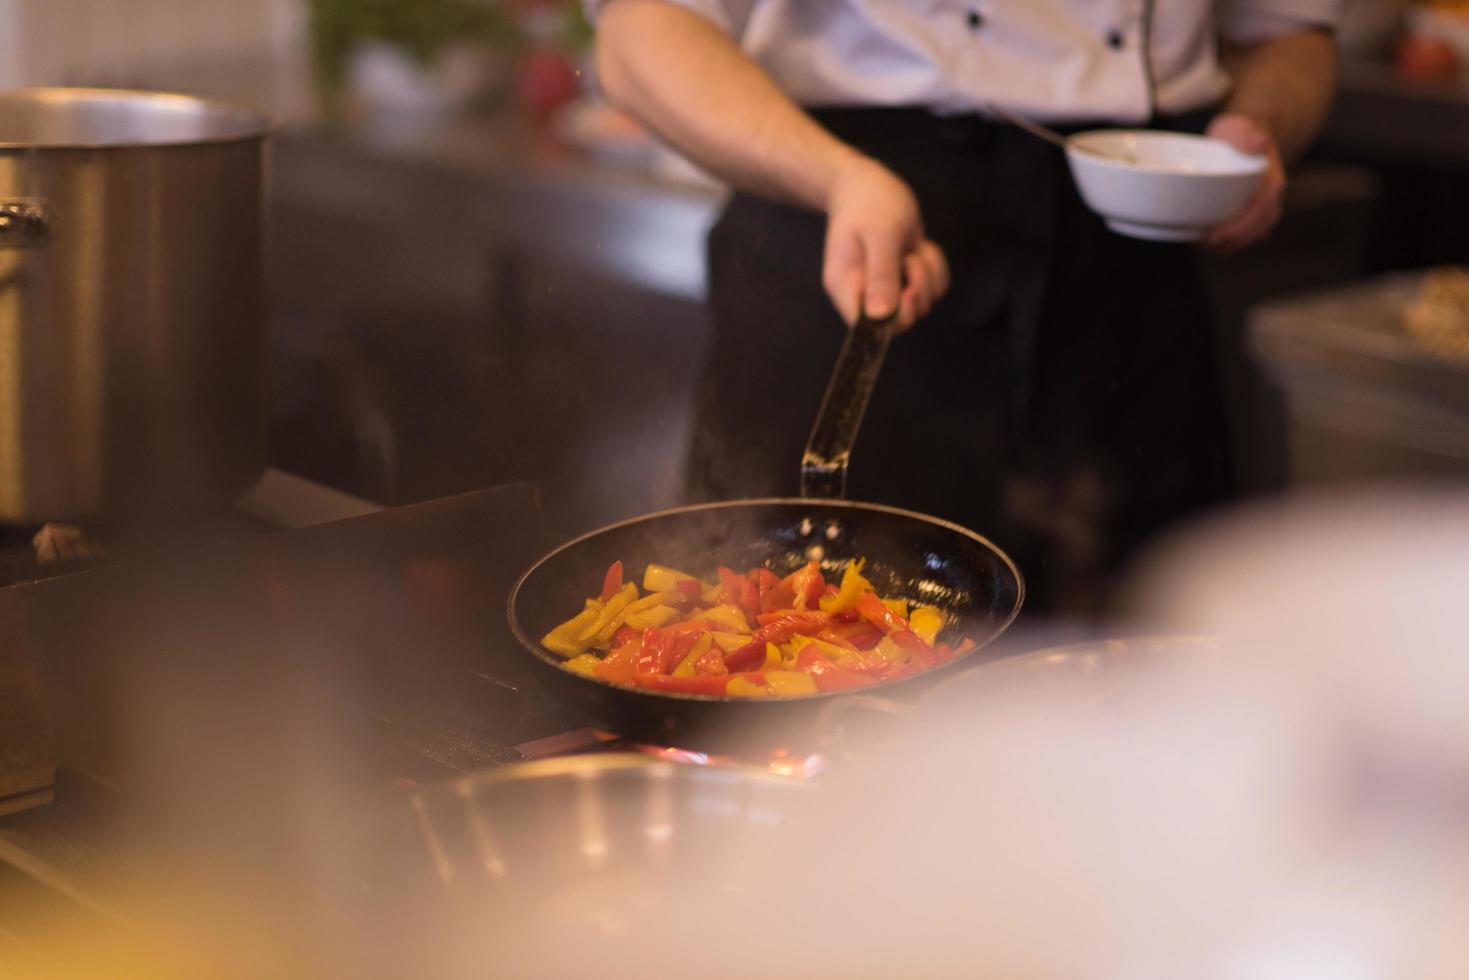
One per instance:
(1064, 398)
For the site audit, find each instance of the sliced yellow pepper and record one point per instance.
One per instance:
(610, 613)
(787, 656)
(789, 683)
(651, 600)
(927, 621)
(739, 687)
(729, 619)
(891, 651)
(566, 638)
(586, 664)
(799, 642)
(661, 578)
(730, 641)
(898, 607)
(652, 618)
(852, 587)
(701, 646)
(772, 657)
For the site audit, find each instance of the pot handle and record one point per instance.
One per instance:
(824, 466)
(23, 223)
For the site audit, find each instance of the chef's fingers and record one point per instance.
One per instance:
(841, 272)
(926, 275)
(917, 291)
(938, 266)
(1256, 221)
(882, 253)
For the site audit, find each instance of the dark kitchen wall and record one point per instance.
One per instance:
(441, 340)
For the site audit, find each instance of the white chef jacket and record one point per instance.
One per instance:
(1055, 60)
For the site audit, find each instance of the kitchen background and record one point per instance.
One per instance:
(479, 274)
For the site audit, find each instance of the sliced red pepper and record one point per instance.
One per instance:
(827, 675)
(752, 654)
(678, 648)
(690, 588)
(612, 581)
(909, 639)
(863, 635)
(737, 590)
(654, 648)
(779, 596)
(624, 634)
(689, 626)
(663, 650)
(878, 614)
(731, 586)
(808, 585)
(836, 639)
(696, 626)
(750, 598)
(620, 666)
(772, 596)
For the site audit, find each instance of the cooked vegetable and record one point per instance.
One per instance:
(751, 635)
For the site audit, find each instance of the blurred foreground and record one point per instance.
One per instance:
(1285, 797)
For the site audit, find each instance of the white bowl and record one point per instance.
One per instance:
(1167, 187)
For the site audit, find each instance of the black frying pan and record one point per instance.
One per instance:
(911, 555)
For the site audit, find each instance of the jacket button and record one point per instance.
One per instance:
(1114, 40)
(974, 19)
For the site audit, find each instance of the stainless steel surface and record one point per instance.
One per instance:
(95, 118)
(829, 449)
(1362, 398)
(538, 867)
(288, 501)
(131, 341)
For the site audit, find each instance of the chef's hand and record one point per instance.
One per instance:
(1259, 217)
(877, 258)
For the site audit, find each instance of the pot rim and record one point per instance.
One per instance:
(243, 123)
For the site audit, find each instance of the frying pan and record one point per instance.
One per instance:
(911, 555)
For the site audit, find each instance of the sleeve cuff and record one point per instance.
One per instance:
(713, 11)
(1252, 21)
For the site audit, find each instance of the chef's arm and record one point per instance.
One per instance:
(1285, 84)
(1282, 89)
(678, 73)
(686, 80)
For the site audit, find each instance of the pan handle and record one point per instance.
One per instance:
(824, 466)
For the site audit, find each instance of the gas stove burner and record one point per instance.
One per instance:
(778, 763)
(584, 741)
